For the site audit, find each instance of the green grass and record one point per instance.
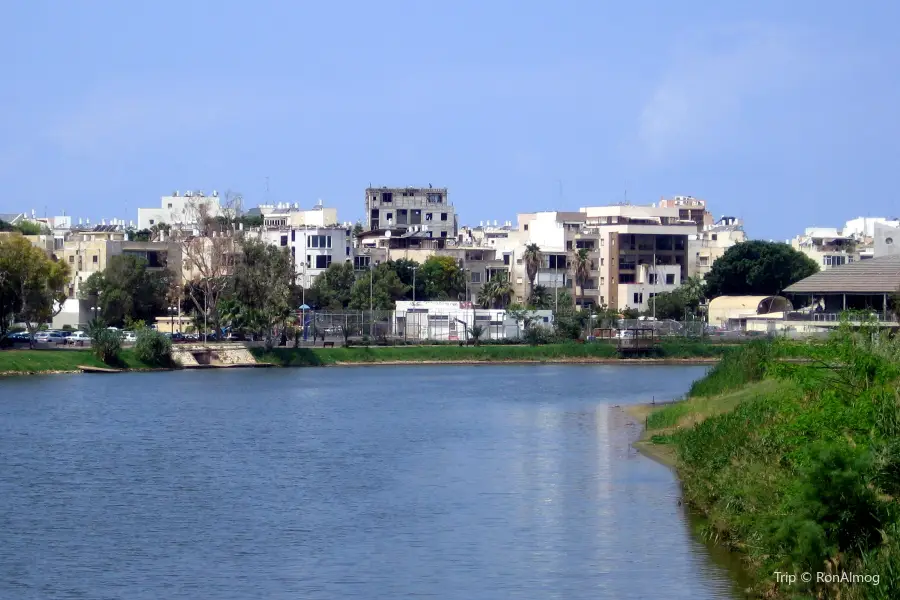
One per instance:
(43, 361)
(798, 471)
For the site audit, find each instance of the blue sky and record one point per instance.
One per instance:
(785, 113)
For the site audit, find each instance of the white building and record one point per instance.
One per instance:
(289, 215)
(451, 321)
(313, 248)
(180, 210)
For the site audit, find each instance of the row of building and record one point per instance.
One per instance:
(635, 251)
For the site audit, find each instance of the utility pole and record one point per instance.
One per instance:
(371, 298)
(414, 284)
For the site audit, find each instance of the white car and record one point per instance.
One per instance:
(79, 337)
(129, 336)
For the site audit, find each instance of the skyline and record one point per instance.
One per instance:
(781, 115)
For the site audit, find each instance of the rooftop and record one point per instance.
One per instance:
(872, 276)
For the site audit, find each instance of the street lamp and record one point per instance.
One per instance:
(414, 269)
(172, 311)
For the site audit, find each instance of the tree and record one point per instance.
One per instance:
(519, 314)
(757, 268)
(606, 316)
(532, 259)
(540, 298)
(331, 289)
(159, 232)
(358, 229)
(581, 271)
(475, 332)
(407, 272)
(384, 291)
(443, 278)
(496, 293)
(262, 282)
(128, 290)
(140, 235)
(31, 228)
(32, 285)
(209, 253)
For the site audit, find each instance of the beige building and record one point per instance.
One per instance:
(636, 252)
(287, 216)
(712, 242)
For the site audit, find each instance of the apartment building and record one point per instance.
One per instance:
(89, 252)
(689, 209)
(181, 210)
(635, 252)
(313, 248)
(404, 209)
(712, 242)
(859, 239)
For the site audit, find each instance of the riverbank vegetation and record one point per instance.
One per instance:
(797, 464)
(55, 361)
(574, 352)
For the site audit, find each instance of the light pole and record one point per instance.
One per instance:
(414, 284)
(172, 311)
(371, 298)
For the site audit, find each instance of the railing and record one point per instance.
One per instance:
(835, 317)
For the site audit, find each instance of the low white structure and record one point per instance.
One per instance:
(650, 280)
(451, 321)
(733, 312)
(180, 210)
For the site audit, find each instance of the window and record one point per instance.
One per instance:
(443, 234)
(387, 197)
(428, 216)
(170, 205)
(360, 262)
(284, 240)
(348, 250)
(834, 261)
(95, 259)
(293, 235)
(704, 261)
(556, 261)
(318, 241)
(389, 216)
(586, 244)
(71, 260)
(715, 236)
(308, 261)
(652, 278)
(293, 253)
(525, 227)
(444, 217)
(638, 298)
(602, 300)
(322, 261)
(506, 259)
(476, 277)
(435, 197)
(568, 244)
(670, 278)
(152, 222)
(603, 281)
(602, 261)
(601, 242)
(889, 241)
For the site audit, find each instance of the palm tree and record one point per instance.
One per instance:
(532, 258)
(540, 297)
(157, 231)
(476, 331)
(581, 270)
(496, 293)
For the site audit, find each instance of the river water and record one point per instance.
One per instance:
(448, 482)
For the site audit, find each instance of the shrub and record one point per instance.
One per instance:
(153, 348)
(536, 336)
(107, 344)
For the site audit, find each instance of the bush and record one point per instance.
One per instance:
(536, 336)
(107, 345)
(153, 348)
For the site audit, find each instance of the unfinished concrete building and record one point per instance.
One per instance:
(427, 210)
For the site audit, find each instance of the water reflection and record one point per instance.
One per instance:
(305, 483)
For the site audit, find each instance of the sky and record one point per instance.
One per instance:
(782, 113)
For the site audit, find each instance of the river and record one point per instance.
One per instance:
(446, 482)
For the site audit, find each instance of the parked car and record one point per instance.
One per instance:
(129, 336)
(50, 337)
(78, 338)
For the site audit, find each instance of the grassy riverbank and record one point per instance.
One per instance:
(309, 357)
(57, 361)
(795, 465)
